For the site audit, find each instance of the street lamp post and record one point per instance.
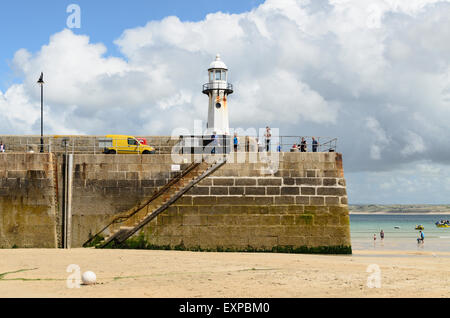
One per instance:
(41, 82)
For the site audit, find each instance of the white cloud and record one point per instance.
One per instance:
(414, 144)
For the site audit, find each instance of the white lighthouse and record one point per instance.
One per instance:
(218, 90)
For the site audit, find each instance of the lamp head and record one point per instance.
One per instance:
(41, 79)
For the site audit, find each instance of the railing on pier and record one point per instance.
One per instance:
(181, 144)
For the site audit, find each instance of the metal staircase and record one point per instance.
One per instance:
(124, 226)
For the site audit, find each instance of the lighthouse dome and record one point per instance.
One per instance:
(218, 64)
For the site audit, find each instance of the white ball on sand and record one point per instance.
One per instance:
(89, 278)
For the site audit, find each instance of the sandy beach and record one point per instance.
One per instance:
(154, 274)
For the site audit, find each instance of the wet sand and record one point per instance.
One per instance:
(155, 274)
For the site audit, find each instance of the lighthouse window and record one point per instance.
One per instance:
(224, 76)
(218, 105)
(218, 75)
(211, 76)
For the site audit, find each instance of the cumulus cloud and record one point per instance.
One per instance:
(376, 75)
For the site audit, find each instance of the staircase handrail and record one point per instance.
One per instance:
(172, 200)
(157, 194)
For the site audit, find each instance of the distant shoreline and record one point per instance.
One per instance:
(400, 213)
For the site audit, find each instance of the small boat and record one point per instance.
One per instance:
(420, 227)
(443, 224)
(397, 227)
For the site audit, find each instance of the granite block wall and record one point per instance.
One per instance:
(28, 207)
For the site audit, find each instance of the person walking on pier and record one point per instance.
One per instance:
(2, 147)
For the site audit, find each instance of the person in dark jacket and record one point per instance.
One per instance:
(315, 144)
(303, 145)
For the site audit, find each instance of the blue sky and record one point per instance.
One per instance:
(29, 24)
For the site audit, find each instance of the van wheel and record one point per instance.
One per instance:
(112, 152)
(146, 152)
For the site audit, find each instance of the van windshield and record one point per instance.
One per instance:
(132, 142)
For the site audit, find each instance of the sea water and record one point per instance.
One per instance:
(364, 226)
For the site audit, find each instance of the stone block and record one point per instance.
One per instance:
(197, 220)
(216, 220)
(236, 190)
(273, 190)
(263, 241)
(304, 219)
(210, 200)
(308, 191)
(288, 181)
(235, 200)
(284, 200)
(287, 220)
(263, 200)
(338, 210)
(294, 241)
(238, 209)
(223, 181)
(296, 173)
(331, 174)
(311, 174)
(257, 210)
(148, 183)
(334, 220)
(332, 191)
(249, 220)
(303, 200)
(200, 191)
(329, 182)
(232, 219)
(219, 191)
(265, 230)
(205, 182)
(292, 230)
(290, 191)
(255, 191)
(332, 201)
(317, 200)
(295, 209)
(188, 210)
(185, 200)
(321, 220)
(269, 220)
(269, 182)
(245, 181)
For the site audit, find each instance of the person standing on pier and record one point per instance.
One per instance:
(268, 136)
(303, 145)
(315, 144)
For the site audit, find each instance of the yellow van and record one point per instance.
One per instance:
(122, 144)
